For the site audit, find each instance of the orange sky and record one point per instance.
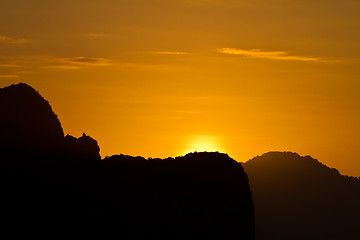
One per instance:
(160, 78)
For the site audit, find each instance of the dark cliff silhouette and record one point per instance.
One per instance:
(47, 175)
(300, 198)
(198, 196)
(27, 121)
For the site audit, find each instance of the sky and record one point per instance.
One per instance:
(162, 78)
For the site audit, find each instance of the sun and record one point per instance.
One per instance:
(202, 143)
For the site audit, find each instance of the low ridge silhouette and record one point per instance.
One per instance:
(47, 175)
(300, 198)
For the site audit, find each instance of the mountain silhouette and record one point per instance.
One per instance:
(197, 196)
(53, 177)
(27, 120)
(298, 197)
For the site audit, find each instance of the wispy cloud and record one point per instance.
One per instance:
(210, 2)
(9, 76)
(65, 67)
(170, 53)
(18, 66)
(11, 40)
(95, 35)
(9, 65)
(83, 61)
(258, 53)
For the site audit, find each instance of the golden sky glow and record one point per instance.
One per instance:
(158, 78)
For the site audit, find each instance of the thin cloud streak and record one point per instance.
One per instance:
(8, 65)
(9, 76)
(11, 40)
(95, 35)
(64, 67)
(170, 53)
(17, 67)
(258, 53)
(86, 61)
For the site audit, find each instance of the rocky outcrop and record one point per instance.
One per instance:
(45, 175)
(27, 121)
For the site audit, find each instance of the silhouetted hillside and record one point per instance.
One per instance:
(198, 196)
(42, 173)
(27, 120)
(300, 198)
(48, 176)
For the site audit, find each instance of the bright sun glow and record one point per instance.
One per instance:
(202, 143)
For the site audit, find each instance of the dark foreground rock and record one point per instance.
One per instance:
(47, 176)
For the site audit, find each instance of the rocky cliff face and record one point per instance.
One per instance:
(27, 120)
(48, 176)
(28, 126)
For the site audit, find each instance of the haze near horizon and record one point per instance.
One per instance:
(163, 78)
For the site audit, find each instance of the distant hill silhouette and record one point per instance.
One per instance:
(300, 198)
(47, 175)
